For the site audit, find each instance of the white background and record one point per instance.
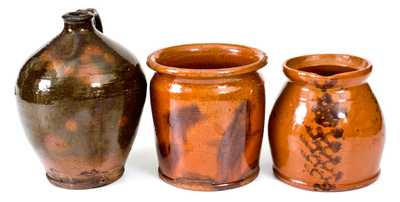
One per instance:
(282, 29)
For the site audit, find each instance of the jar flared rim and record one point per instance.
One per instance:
(181, 60)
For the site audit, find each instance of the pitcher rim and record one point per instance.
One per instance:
(362, 68)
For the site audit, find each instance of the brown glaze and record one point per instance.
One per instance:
(208, 110)
(80, 100)
(326, 129)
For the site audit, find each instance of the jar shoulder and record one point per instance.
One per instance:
(245, 84)
(297, 93)
(354, 107)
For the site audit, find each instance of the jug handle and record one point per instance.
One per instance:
(96, 19)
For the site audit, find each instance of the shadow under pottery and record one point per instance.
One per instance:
(141, 164)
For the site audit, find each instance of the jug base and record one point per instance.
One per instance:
(91, 179)
(197, 185)
(338, 187)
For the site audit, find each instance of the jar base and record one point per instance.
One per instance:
(195, 185)
(338, 188)
(91, 180)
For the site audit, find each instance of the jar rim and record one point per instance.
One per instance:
(207, 60)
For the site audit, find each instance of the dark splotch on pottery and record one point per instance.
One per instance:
(326, 129)
(208, 110)
(80, 99)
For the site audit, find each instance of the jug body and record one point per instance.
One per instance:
(80, 99)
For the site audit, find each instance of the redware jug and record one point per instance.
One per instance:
(80, 99)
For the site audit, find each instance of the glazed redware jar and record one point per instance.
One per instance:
(326, 129)
(80, 99)
(208, 110)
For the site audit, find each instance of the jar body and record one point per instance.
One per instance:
(80, 99)
(209, 130)
(326, 139)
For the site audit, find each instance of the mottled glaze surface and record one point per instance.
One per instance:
(80, 99)
(208, 110)
(326, 129)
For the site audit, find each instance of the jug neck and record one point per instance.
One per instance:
(82, 20)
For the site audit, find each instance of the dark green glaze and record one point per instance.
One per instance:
(80, 99)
